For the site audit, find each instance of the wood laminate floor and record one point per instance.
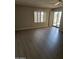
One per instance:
(44, 43)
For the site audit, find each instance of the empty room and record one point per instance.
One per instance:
(39, 29)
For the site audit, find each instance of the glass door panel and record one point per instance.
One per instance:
(57, 18)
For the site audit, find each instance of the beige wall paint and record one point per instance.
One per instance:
(51, 18)
(24, 17)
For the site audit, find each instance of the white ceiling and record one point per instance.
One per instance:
(39, 3)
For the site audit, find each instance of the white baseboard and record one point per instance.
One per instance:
(24, 28)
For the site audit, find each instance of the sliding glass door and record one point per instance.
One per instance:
(57, 18)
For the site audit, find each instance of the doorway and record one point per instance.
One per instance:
(57, 18)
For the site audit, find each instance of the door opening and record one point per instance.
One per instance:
(57, 18)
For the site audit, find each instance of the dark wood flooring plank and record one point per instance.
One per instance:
(44, 43)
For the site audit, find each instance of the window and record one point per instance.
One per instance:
(38, 16)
